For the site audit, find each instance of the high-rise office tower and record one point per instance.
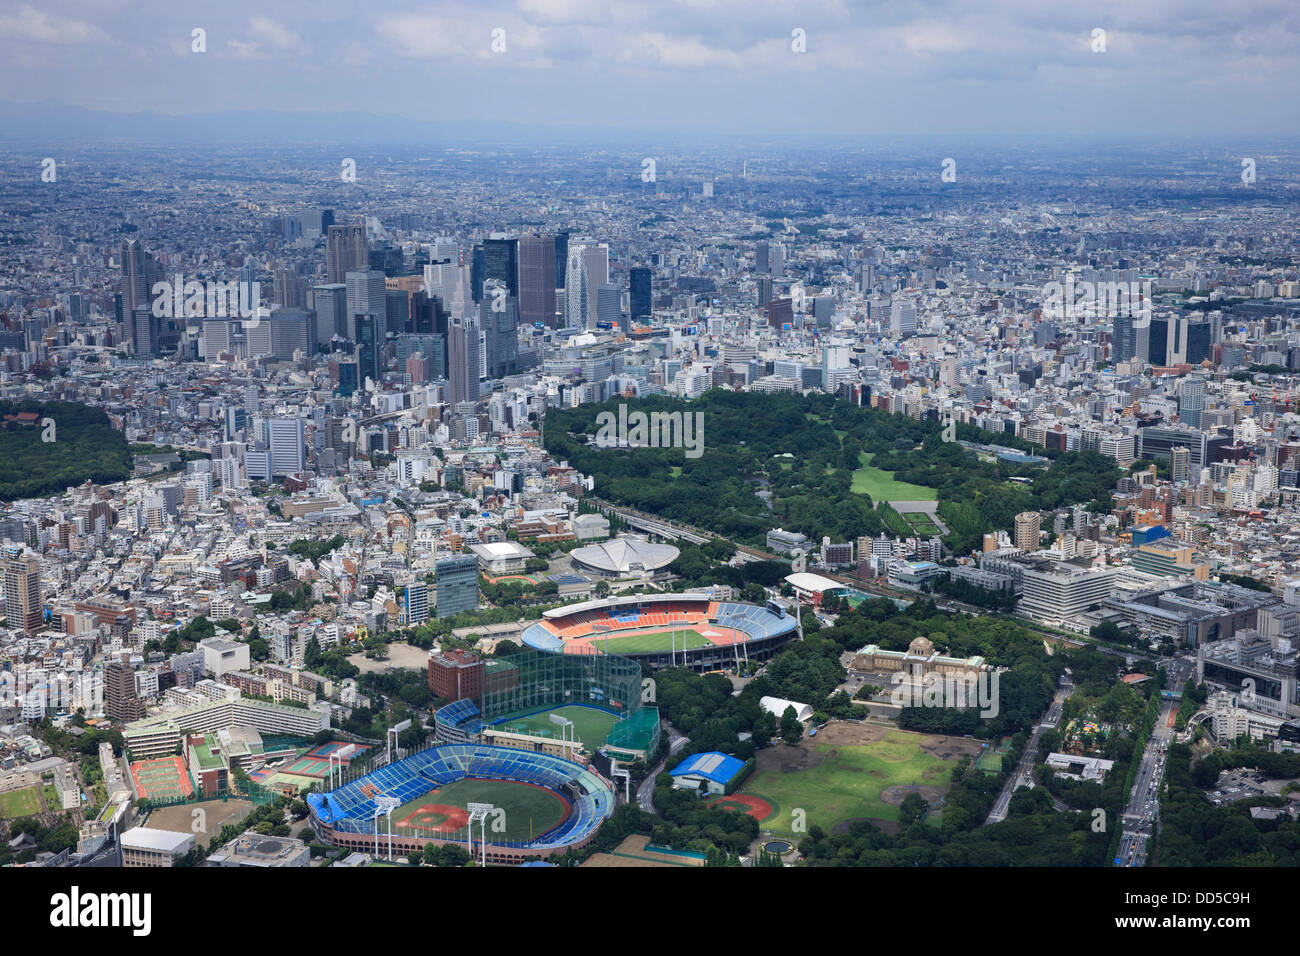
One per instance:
(330, 303)
(216, 339)
(457, 583)
(537, 280)
(902, 317)
(776, 259)
(596, 260)
(292, 330)
(499, 324)
(139, 273)
(366, 295)
(1124, 340)
(145, 331)
(641, 296)
(287, 439)
(463, 358)
(764, 291)
(1191, 401)
(561, 258)
(575, 289)
(761, 256)
(495, 258)
(23, 606)
(369, 347)
(1199, 337)
(346, 250)
(1029, 526)
(290, 289)
(609, 306)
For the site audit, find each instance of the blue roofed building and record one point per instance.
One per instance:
(708, 772)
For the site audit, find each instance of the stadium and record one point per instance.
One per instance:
(541, 804)
(529, 743)
(663, 630)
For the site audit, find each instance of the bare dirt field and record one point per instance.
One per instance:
(400, 656)
(204, 819)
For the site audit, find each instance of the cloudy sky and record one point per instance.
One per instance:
(697, 66)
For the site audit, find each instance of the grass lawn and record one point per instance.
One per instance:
(529, 811)
(656, 641)
(848, 783)
(590, 724)
(20, 803)
(881, 486)
(920, 522)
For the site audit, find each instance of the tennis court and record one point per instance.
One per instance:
(308, 767)
(161, 778)
(346, 751)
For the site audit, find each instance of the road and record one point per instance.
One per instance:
(1142, 814)
(1023, 776)
(645, 792)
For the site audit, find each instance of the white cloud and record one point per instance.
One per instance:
(270, 39)
(29, 25)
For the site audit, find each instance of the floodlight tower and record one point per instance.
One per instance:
(386, 806)
(392, 737)
(563, 723)
(603, 629)
(479, 812)
(333, 757)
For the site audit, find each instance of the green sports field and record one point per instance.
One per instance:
(529, 811)
(20, 803)
(590, 726)
(920, 522)
(654, 641)
(881, 486)
(847, 782)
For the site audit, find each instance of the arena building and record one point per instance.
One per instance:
(624, 557)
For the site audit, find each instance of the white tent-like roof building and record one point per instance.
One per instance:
(778, 706)
(625, 555)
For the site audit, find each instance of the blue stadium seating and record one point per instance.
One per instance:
(352, 806)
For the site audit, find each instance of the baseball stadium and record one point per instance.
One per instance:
(665, 630)
(560, 704)
(537, 804)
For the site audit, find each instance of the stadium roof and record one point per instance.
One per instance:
(621, 553)
(711, 765)
(806, 581)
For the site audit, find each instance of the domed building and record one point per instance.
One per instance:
(626, 556)
(919, 661)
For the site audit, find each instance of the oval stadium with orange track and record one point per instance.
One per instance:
(664, 630)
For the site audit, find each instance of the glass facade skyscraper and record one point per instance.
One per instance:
(457, 582)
